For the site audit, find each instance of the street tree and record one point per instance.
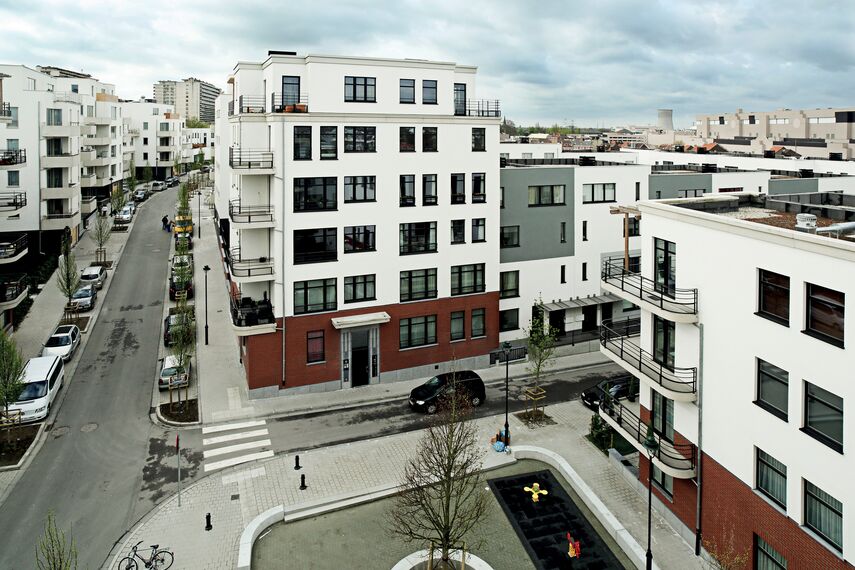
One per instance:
(118, 199)
(147, 174)
(195, 123)
(67, 276)
(442, 499)
(132, 176)
(184, 198)
(11, 372)
(540, 341)
(183, 336)
(101, 233)
(55, 550)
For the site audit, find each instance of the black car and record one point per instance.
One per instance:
(426, 398)
(172, 181)
(170, 325)
(184, 239)
(176, 285)
(618, 389)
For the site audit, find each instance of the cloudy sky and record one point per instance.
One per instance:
(588, 62)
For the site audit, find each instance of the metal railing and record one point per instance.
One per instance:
(679, 456)
(61, 215)
(514, 353)
(13, 200)
(243, 214)
(247, 158)
(247, 312)
(253, 104)
(5, 109)
(248, 267)
(11, 287)
(615, 337)
(10, 157)
(670, 299)
(13, 248)
(478, 108)
(287, 103)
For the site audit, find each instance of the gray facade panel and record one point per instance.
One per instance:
(669, 185)
(792, 185)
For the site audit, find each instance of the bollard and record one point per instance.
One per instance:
(303, 482)
(297, 463)
(208, 525)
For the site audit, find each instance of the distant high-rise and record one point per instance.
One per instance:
(193, 98)
(666, 119)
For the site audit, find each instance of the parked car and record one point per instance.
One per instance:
(158, 186)
(84, 298)
(182, 261)
(132, 206)
(124, 216)
(140, 196)
(173, 374)
(617, 388)
(184, 240)
(171, 324)
(427, 397)
(206, 168)
(42, 377)
(94, 275)
(63, 342)
(172, 181)
(176, 285)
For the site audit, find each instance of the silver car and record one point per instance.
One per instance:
(84, 298)
(93, 275)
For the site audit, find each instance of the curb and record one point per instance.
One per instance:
(157, 418)
(27, 453)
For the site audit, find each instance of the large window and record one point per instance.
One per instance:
(54, 177)
(13, 178)
(825, 312)
(315, 245)
(359, 189)
(466, 279)
(313, 194)
(766, 557)
(772, 478)
(478, 327)
(509, 284)
(290, 90)
(54, 117)
(329, 143)
(418, 237)
(663, 415)
(824, 416)
(479, 187)
(359, 238)
(418, 331)
(772, 389)
(824, 514)
(509, 236)
(407, 139)
(314, 296)
(458, 189)
(664, 482)
(458, 325)
(360, 139)
(302, 143)
(592, 193)
(360, 89)
(458, 231)
(774, 296)
(509, 320)
(634, 227)
(429, 139)
(546, 195)
(418, 284)
(408, 190)
(429, 197)
(359, 288)
(665, 266)
(663, 341)
(479, 139)
(479, 230)
(408, 90)
(429, 92)
(315, 346)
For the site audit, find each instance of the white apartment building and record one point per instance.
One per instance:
(199, 141)
(359, 208)
(191, 97)
(529, 150)
(156, 133)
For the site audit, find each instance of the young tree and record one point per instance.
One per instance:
(541, 345)
(184, 198)
(101, 233)
(442, 498)
(183, 337)
(11, 372)
(67, 276)
(147, 174)
(132, 176)
(55, 551)
(118, 199)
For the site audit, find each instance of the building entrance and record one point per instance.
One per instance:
(359, 362)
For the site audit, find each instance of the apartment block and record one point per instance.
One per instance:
(191, 97)
(195, 142)
(156, 132)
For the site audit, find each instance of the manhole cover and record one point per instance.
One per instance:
(60, 431)
(89, 427)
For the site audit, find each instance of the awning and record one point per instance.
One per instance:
(361, 320)
(581, 302)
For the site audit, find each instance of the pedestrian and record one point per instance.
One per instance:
(164, 221)
(171, 226)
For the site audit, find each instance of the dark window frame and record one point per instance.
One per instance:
(547, 195)
(806, 492)
(360, 234)
(634, 227)
(356, 185)
(325, 142)
(458, 232)
(479, 187)
(406, 139)
(411, 87)
(328, 236)
(479, 227)
(314, 356)
(407, 190)
(604, 197)
(509, 324)
(352, 85)
(408, 231)
(506, 235)
(410, 323)
(429, 181)
(362, 139)
(478, 277)
(479, 139)
(304, 287)
(413, 276)
(427, 89)
(769, 557)
(815, 432)
(766, 374)
(760, 461)
(430, 139)
(461, 317)
(329, 188)
(506, 292)
(360, 283)
(767, 288)
(302, 150)
(458, 188)
(812, 301)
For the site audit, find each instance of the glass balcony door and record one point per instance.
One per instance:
(665, 256)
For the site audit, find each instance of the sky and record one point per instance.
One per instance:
(581, 62)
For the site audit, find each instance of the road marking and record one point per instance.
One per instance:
(234, 436)
(243, 475)
(228, 427)
(238, 460)
(235, 448)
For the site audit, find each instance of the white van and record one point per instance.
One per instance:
(43, 378)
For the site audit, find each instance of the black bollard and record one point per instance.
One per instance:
(303, 482)
(208, 525)
(297, 463)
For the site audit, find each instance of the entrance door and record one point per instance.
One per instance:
(290, 90)
(556, 321)
(589, 318)
(359, 358)
(605, 312)
(666, 266)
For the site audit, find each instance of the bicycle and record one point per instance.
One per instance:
(159, 559)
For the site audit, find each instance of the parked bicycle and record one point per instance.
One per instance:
(158, 560)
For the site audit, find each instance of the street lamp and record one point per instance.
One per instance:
(113, 212)
(506, 348)
(199, 208)
(206, 269)
(652, 446)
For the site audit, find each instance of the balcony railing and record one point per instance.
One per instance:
(246, 158)
(11, 287)
(5, 110)
(514, 353)
(61, 215)
(615, 336)
(11, 157)
(247, 312)
(289, 103)
(247, 104)
(11, 249)
(13, 200)
(243, 214)
(248, 267)
(477, 108)
(671, 299)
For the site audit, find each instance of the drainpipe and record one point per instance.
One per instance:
(699, 505)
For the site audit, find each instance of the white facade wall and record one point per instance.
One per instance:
(530, 150)
(146, 117)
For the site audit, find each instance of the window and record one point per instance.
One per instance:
(360, 139)
(359, 288)
(546, 195)
(509, 284)
(315, 245)
(637, 191)
(564, 274)
(635, 264)
(145, 140)
(690, 193)
(466, 279)
(665, 266)
(509, 236)
(593, 193)
(418, 284)
(663, 482)
(314, 296)
(315, 194)
(359, 238)
(144, 125)
(824, 416)
(417, 331)
(13, 144)
(429, 92)
(429, 139)
(584, 271)
(772, 389)
(407, 139)
(634, 226)
(825, 311)
(663, 342)
(458, 231)
(13, 114)
(145, 156)
(663, 416)
(54, 177)
(458, 325)
(418, 237)
(329, 143)
(501, 196)
(478, 327)
(479, 230)
(408, 90)
(584, 230)
(408, 190)
(563, 234)
(13, 178)
(458, 189)
(315, 346)
(54, 117)
(429, 190)
(359, 189)
(766, 557)
(824, 514)
(774, 296)
(360, 89)
(479, 139)
(164, 127)
(772, 478)
(479, 188)
(509, 320)
(75, 88)
(290, 90)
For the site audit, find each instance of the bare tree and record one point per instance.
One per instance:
(11, 372)
(101, 233)
(724, 555)
(67, 277)
(442, 498)
(540, 342)
(55, 551)
(147, 175)
(118, 199)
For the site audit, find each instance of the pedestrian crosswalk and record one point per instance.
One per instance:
(235, 443)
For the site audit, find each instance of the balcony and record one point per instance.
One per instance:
(13, 290)
(97, 141)
(61, 220)
(67, 191)
(248, 270)
(5, 112)
(59, 160)
(88, 130)
(250, 317)
(619, 341)
(678, 305)
(245, 216)
(674, 459)
(88, 180)
(289, 103)
(88, 153)
(97, 120)
(88, 204)
(67, 129)
(250, 161)
(12, 251)
(12, 157)
(247, 104)
(165, 147)
(11, 201)
(477, 108)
